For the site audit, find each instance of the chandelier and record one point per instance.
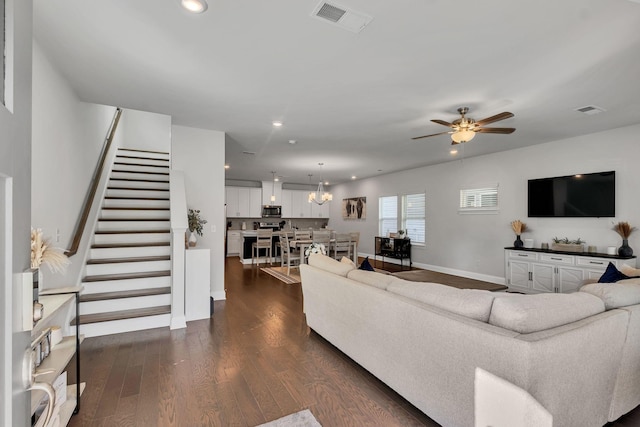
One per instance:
(320, 196)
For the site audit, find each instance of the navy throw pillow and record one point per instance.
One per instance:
(366, 265)
(612, 275)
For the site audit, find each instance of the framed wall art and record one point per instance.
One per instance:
(354, 208)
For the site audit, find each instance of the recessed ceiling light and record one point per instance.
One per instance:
(326, 183)
(353, 177)
(277, 124)
(226, 166)
(194, 6)
(453, 151)
(292, 141)
(251, 153)
(276, 179)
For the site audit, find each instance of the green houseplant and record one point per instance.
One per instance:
(196, 223)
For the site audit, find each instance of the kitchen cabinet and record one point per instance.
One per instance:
(319, 211)
(234, 242)
(243, 202)
(295, 204)
(538, 271)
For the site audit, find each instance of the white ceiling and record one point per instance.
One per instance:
(353, 101)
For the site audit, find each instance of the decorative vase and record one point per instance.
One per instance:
(193, 239)
(518, 243)
(625, 249)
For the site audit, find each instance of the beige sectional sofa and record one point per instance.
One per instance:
(579, 358)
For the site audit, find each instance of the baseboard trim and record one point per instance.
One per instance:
(178, 322)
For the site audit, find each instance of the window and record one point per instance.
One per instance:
(3, 38)
(479, 200)
(413, 217)
(388, 215)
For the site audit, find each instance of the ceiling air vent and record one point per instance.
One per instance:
(590, 109)
(341, 17)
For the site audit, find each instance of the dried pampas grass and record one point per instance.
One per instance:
(624, 229)
(518, 227)
(43, 253)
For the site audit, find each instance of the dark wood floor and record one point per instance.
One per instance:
(253, 361)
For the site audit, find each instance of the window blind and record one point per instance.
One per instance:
(414, 218)
(388, 215)
(479, 199)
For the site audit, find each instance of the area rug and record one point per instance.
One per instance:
(299, 419)
(280, 273)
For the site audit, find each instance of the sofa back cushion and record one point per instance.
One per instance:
(372, 278)
(471, 303)
(532, 313)
(329, 264)
(614, 295)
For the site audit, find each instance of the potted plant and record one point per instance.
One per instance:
(624, 229)
(567, 245)
(42, 252)
(195, 225)
(315, 248)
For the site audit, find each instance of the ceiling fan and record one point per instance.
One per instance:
(464, 129)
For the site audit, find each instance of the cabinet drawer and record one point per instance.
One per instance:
(558, 259)
(591, 262)
(523, 255)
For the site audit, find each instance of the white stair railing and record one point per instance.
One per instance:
(179, 225)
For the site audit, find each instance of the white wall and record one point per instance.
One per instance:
(68, 136)
(146, 131)
(200, 154)
(15, 162)
(475, 243)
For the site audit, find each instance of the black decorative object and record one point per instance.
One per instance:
(518, 243)
(625, 250)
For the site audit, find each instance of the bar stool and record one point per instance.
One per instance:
(263, 241)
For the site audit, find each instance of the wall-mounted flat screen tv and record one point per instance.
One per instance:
(585, 195)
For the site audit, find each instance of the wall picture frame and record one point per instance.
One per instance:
(354, 208)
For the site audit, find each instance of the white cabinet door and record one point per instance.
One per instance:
(244, 202)
(287, 208)
(255, 203)
(320, 211)
(233, 207)
(300, 204)
(234, 242)
(543, 277)
(569, 279)
(518, 274)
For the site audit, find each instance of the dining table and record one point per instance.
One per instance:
(303, 244)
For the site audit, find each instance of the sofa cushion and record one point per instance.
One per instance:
(372, 278)
(533, 313)
(349, 261)
(611, 275)
(614, 295)
(471, 303)
(630, 271)
(329, 264)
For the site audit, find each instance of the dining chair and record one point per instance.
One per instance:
(322, 236)
(355, 237)
(286, 255)
(302, 235)
(263, 241)
(342, 246)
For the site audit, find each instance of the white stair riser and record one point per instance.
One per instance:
(133, 213)
(132, 225)
(131, 175)
(144, 194)
(147, 161)
(139, 184)
(135, 203)
(138, 168)
(103, 253)
(125, 285)
(126, 325)
(127, 267)
(131, 238)
(123, 152)
(108, 306)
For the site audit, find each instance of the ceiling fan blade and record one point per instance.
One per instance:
(434, 134)
(495, 118)
(442, 122)
(495, 130)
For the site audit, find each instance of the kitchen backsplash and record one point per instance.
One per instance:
(300, 223)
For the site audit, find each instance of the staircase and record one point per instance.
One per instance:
(127, 285)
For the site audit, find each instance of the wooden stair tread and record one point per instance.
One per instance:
(121, 315)
(143, 151)
(141, 164)
(132, 259)
(133, 231)
(139, 189)
(125, 294)
(134, 219)
(161, 181)
(133, 208)
(136, 198)
(129, 245)
(126, 276)
(140, 158)
(140, 172)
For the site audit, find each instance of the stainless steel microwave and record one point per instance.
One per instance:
(271, 211)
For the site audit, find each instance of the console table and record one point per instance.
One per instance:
(541, 270)
(393, 247)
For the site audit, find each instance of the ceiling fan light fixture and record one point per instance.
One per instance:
(194, 6)
(463, 135)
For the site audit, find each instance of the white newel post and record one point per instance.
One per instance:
(179, 225)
